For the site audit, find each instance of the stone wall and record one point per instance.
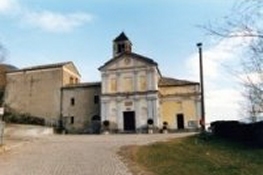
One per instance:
(79, 104)
(36, 93)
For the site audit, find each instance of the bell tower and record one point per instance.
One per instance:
(121, 44)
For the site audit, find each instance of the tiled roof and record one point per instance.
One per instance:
(134, 55)
(83, 85)
(46, 66)
(143, 58)
(121, 37)
(8, 67)
(166, 81)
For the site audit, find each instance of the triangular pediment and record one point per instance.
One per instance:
(127, 60)
(70, 66)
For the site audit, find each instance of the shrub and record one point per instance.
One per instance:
(165, 124)
(106, 123)
(225, 129)
(234, 130)
(164, 127)
(257, 129)
(23, 119)
(150, 121)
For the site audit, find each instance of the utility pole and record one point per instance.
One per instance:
(202, 121)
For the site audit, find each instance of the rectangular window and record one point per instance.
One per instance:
(72, 120)
(76, 80)
(121, 48)
(72, 101)
(192, 123)
(71, 80)
(96, 99)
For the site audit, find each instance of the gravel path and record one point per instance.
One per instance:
(74, 154)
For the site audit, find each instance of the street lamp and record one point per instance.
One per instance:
(202, 121)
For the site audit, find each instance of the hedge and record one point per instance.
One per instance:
(23, 119)
(243, 132)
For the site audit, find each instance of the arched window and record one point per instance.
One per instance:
(96, 118)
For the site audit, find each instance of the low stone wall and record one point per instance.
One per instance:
(24, 131)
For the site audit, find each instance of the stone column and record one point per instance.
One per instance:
(135, 86)
(104, 111)
(119, 114)
(104, 83)
(137, 112)
(155, 112)
(118, 81)
(149, 109)
(154, 79)
(149, 80)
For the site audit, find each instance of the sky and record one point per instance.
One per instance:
(36, 32)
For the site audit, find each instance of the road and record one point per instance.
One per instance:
(74, 154)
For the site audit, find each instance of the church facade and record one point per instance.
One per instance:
(131, 92)
(134, 91)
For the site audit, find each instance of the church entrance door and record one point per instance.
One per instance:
(129, 121)
(180, 121)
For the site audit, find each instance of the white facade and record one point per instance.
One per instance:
(129, 85)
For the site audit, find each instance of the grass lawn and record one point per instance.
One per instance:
(194, 156)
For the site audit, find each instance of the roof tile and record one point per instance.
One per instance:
(167, 81)
(121, 37)
(46, 66)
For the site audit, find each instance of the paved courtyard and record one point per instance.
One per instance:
(74, 154)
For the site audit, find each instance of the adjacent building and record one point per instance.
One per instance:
(4, 68)
(179, 103)
(36, 91)
(132, 90)
(81, 107)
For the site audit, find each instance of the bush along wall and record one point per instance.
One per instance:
(251, 133)
(23, 119)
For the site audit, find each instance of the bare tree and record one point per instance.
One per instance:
(246, 21)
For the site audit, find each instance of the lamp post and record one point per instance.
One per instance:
(202, 122)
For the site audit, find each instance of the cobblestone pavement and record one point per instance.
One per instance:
(74, 154)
